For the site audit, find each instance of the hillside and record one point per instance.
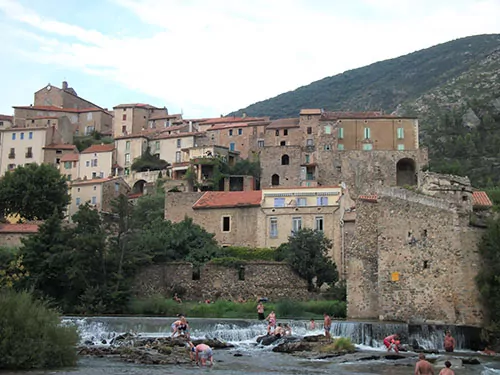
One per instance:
(454, 89)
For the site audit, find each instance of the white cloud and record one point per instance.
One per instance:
(212, 57)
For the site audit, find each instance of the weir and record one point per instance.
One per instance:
(244, 332)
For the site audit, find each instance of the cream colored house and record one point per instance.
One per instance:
(169, 146)
(69, 166)
(128, 148)
(97, 162)
(99, 193)
(6, 121)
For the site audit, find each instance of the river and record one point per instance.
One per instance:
(249, 358)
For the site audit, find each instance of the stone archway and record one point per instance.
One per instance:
(139, 187)
(275, 180)
(406, 172)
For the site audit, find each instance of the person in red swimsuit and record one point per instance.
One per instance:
(391, 342)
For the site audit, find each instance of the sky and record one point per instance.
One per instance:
(207, 58)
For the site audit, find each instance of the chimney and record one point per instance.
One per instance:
(243, 115)
(65, 85)
(190, 126)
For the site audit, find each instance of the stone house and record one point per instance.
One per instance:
(363, 150)
(54, 153)
(97, 161)
(22, 146)
(242, 134)
(99, 192)
(261, 218)
(69, 165)
(6, 121)
(134, 118)
(11, 234)
(413, 256)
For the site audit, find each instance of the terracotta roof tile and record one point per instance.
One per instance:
(59, 146)
(133, 105)
(220, 199)
(6, 118)
(176, 135)
(18, 228)
(369, 198)
(225, 120)
(228, 126)
(99, 148)
(135, 195)
(480, 198)
(326, 116)
(310, 111)
(70, 157)
(284, 123)
(164, 116)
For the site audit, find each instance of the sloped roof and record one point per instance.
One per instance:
(59, 146)
(6, 118)
(99, 148)
(480, 198)
(95, 181)
(70, 157)
(359, 115)
(310, 111)
(227, 120)
(284, 123)
(134, 105)
(369, 198)
(18, 228)
(220, 199)
(59, 109)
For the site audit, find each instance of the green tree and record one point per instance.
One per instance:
(34, 192)
(307, 254)
(148, 162)
(488, 279)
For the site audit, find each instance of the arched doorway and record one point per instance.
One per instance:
(275, 180)
(139, 187)
(406, 172)
(285, 160)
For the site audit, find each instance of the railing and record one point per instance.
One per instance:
(29, 155)
(12, 156)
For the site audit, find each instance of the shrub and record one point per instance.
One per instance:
(289, 309)
(228, 262)
(248, 253)
(336, 309)
(156, 305)
(342, 344)
(31, 335)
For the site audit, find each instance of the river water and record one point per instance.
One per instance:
(249, 358)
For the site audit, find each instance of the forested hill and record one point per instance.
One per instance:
(453, 88)
(383, 85)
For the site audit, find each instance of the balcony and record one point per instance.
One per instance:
(12, 155)
(29, 155)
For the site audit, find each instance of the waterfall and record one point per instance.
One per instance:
(100, 330)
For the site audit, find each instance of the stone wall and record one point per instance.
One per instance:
(414, 257)
(270, 279)
(12, 239)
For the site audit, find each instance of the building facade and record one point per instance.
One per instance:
(6, 121)
(97, 161)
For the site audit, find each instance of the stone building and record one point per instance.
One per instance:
(363, 150)
(99, 193)
(55, 152)
(413, 255)
(134, 118)
(6, 121)
(12, 234)
(262, 218)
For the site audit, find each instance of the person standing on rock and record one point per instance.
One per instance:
(271, 318)
(327, 325)
(423, 367)
(447, 370)
(201, 353)
(260, 311)
(449, 342)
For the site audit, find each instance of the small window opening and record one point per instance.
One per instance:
(465, 198)
(241, 273)
(196, 273)
(226, 224)
(285, 131)
(424, 234)
(339, 169)
(283, 143)
(426, 264)
(309, 130)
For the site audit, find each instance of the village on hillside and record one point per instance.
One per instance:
(358, 177)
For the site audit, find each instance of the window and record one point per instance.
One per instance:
(179, 143)
(12, 153)
(279, 202)
(13, 136)
(231, 146)
(308, 158)
(341, 133)
(95, 187)
(11, 166)
(309, 142)
(328, 147)
(285, 131)
(401, 133)
(367, 133)
(101, 174)
(309, 130)
(68, 177)
(322, 201)
(58, 151)
(94, 162)
(21, 136)
(124, 117)
(89, 116)
(67, 165)
(340, 147)
(77, 201)
(157, 145)
(226, 223)
(94, 174)
(177, 156)
(124, 129)
(127, 172)
(29, 152)
(127, 159)
(230, 132)
(117, 187)
(87, 163)
(328, 129)
(30, 135)
(275, 180)
(318, 223)
(285, 160)
(273, 227)
(401, 147)
(240, 131)
(367, 146)
(94, 200)
(127, 146)
(283, 143)
(1, 123)
(277, 133)
(260, 143)
(296, 224)
(89, 130)
(301, 202)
